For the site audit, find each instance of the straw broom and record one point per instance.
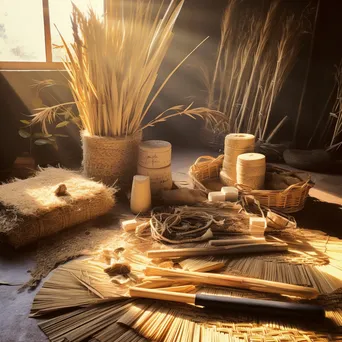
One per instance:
(113, 65)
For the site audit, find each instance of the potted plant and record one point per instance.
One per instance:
(113, 66)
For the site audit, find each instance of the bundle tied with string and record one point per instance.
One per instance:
(109, 159)
(235, 144)
(51, 201)
(251, 170)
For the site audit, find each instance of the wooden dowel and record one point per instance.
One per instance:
(224, 250)
(162, 295)
(252, 284)
(227, 242)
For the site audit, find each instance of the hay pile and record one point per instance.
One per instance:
(34, 208)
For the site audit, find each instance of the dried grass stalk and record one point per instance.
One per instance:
(254, 58)
(113, 65)
(336, 113)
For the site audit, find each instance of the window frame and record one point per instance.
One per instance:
(48, 64)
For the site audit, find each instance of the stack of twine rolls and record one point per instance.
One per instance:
(154, 160)
(251, 169)
(235, 144)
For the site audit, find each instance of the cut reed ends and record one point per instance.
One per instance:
(113, 65)
(254, 58)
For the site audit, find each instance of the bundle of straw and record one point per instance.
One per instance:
(113, 65)
(254, 58)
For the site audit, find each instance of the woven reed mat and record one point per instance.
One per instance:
(96, 308)
(109, 160)
(30, 209)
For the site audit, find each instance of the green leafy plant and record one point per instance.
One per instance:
(40, 138)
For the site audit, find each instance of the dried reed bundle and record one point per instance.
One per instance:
(245, 88)
(113, 66)
(100, 312)
(142, 320)
(335, 119)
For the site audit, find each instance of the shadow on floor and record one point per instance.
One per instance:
(324, 216)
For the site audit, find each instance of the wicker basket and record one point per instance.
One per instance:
(290, 200)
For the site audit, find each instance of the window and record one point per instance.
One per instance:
(28, 31)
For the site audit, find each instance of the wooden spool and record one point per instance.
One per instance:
(160, 179)
(154, 154)
(155, 161)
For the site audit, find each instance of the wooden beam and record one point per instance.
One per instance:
(31, 66)
(47, 31)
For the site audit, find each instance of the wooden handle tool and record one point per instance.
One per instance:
(227, 242)
(222, 250)
(232, 304)
(252, 284)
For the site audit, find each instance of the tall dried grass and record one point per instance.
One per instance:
(113, 65)
(254, 58)
(336, 114)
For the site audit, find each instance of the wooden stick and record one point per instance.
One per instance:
(252, 284)
(224, 250)
(235, 242)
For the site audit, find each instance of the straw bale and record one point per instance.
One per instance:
(30, 209)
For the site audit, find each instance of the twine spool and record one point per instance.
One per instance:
(251, 169)
(154, 154)
(239, 140)
(235, 144)
(108, 159)
(225, 179)
(141, 194)
(160, 179)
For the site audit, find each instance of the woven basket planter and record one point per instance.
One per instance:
(111, 160)
(289, 200)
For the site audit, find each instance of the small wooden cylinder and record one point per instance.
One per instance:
(216, 196)
(141, 194)
(231, 193)
(154, 154)
(160, 179)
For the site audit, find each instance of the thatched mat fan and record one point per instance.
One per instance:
(82, 302)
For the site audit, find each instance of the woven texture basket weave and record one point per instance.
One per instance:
(289, 200)
(109, 159)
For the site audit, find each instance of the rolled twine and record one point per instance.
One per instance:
(251, 169)
(109, 160)
(235, 144)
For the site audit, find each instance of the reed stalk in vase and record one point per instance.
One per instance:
(113, 65)
(255, 56)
